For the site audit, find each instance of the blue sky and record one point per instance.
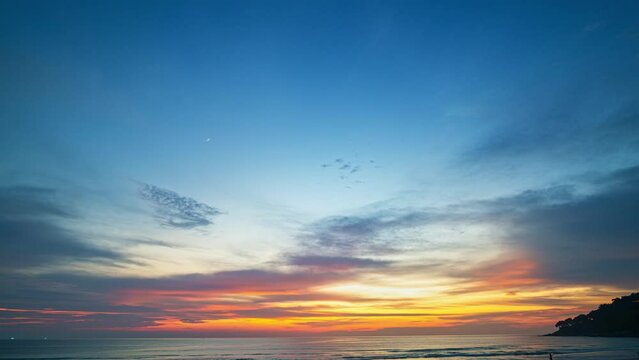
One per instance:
(290, 118)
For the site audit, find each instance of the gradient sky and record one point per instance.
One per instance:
(217, 168)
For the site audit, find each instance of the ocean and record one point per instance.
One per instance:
(495, 347)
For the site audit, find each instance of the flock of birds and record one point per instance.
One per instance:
(346, 170)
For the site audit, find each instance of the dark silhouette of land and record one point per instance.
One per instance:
(620, 318)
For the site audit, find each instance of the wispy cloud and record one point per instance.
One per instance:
(336, 262)
(100, 302)
(555, 236)
(353, 234)
(557, 233)
(149, 242)
(175, 210)
(33, 235)
(590, 239)
(568, 236)
(574, 137)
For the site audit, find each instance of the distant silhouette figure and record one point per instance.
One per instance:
(550, 356)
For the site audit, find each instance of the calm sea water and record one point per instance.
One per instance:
(362, 348)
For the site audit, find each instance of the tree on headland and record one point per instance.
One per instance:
(620, 318)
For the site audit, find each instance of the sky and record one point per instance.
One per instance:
(287, 168)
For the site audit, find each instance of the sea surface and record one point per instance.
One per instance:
(495, 347)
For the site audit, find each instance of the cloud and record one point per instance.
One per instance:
(554, 235)
(247, 280)
(30, 201)
(175, 210)
(336, 262)
(99, 302)
(47, 320)
(592, 26)
(31, 233)
(239, 280)
(576, 136)
(591, 239)
(63, 292)
(149, 242)
(354, 234)
(559, 235)
(527, 199)
(316, 312)
(509, 273)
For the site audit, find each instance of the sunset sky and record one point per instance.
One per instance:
(265, 168)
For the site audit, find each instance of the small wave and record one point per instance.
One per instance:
(412, 354)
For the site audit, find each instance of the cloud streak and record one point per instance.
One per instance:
(573, 137)
(590, 239)
(563, 235)
(362, 234)
(32, 233)
(336, 262)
